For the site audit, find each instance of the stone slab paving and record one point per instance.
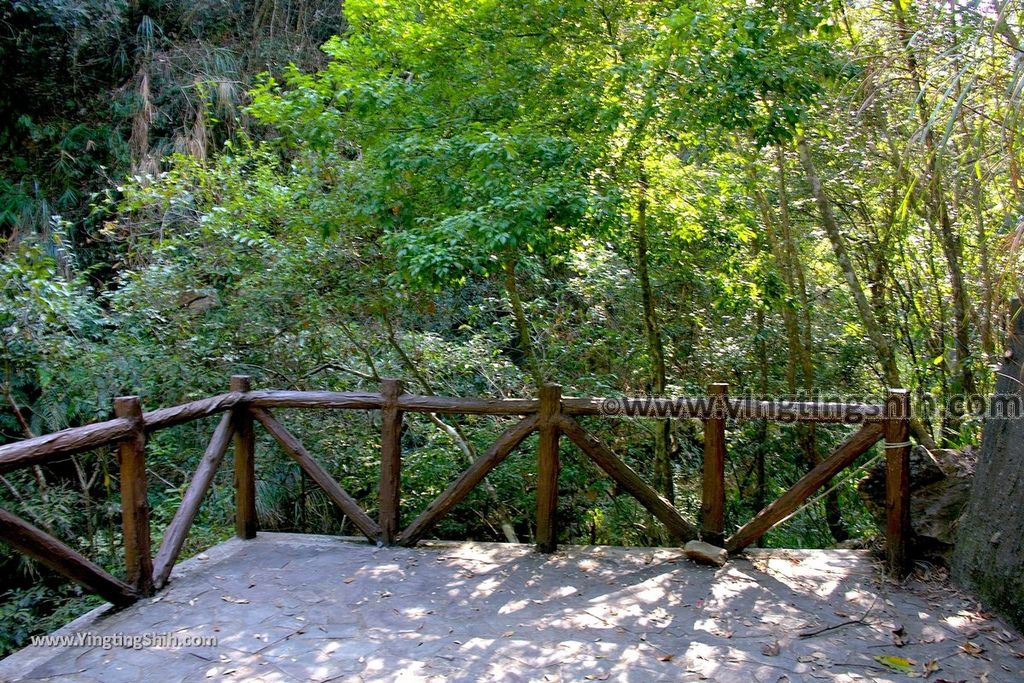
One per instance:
(287, 607)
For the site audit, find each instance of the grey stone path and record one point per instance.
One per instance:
(289, 607)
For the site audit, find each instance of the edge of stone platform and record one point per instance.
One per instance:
(17, 663)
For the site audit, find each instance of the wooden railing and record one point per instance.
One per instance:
(551, 415)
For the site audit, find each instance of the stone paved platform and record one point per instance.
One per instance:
(289, 607)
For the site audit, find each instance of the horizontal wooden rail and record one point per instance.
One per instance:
(352, 400)
(74, 440)
(702, 408)
(77, 439)
(407, 402)
(686, 407)
(194, 410)
(63, 443)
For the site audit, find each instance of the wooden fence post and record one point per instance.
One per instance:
(245, 463)
(390, 484)
(131, 455)
(547, 467)
(897, 480)
(712, 509)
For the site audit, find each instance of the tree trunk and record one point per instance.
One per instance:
(522, 325)
(989, 552)
(883, 348)
(663, 481)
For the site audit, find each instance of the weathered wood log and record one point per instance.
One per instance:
(50, 552)
(390, 483)
(131, 455)
(468, 480)
(294, 448)
(245, 463)
(842, 456)
(468, 406)
(896, 429)
(628, 479)
(701, 408)
(177, 530)
(77, 439)
(547, 468)
(61, 444)
(409, 403)
(194, 410)
(355, 400)
(712, 509)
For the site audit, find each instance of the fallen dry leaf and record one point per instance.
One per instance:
(237, 601)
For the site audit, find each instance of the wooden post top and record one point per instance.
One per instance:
(550, 390)
(241, 383)
(550, 401)
(897, 403)
(128, 406)
(392, 387)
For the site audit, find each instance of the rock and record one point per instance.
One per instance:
(198, 301)
(705, 553)
(940, 484)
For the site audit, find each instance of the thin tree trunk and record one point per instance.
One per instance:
(663, 480)
(981, 235)
(761, 436)
(882, 347)
(522, 325)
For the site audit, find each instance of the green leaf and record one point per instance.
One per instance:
(900, 664)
